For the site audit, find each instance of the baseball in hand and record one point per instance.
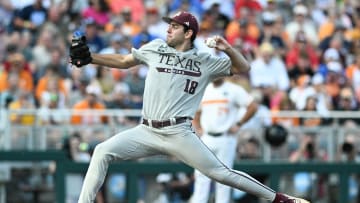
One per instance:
(210, 42)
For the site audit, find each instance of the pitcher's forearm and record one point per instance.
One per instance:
(114, 60)
(239, 63)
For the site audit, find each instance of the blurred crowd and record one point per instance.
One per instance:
(304, 55)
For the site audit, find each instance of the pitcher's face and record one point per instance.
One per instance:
(175, 34)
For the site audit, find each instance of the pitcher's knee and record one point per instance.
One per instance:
(218, 174)
(100, 151)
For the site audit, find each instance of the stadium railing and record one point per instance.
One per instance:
(36, 149)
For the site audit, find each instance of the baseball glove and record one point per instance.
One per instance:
(80, 53)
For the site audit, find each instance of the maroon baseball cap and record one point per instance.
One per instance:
(186, 19)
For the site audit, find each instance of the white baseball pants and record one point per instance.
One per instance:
(178, 141)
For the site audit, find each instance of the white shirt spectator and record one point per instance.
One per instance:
(300, 23)
(269, 74)
(299, 94)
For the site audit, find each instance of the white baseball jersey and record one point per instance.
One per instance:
(188, 73)
(220, 105)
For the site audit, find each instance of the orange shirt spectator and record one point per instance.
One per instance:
(17, 63)
(349, 72)
(129, 27)
(326, 30)
(89, 103)
(236, 28)
(51, 74)
(354, 33)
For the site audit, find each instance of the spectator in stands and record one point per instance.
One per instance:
(279, 30)
(221, 19)
(17, 65)
(104, 80)
(301, 67)
(268, 34)
(95, 41)
(332, 67)
(129, 27)
(57, 22)
(339, 44)
(116, 45)
(324, 100)
(347, 102)
(299, 93)
(269, 70)
(31, 17)
(57, 83)
(24, 46)
(326, 22)
(301, 23)
(12, 92)
(25, 101)
(58, 60)
(6, 15)
(51, 112)
(93, 37)
(316, 120)
(97, 10)
(90, 102)
(354, 32)
(52, 104)
(302, 56)
(78, 84)
(286, 104)
(41, 52)
(245, 28)
(272, 7)
(339, 34)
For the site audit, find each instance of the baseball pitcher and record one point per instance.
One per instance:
(177, 77)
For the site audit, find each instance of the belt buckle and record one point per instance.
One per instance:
(150, 123)
(173, 121)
